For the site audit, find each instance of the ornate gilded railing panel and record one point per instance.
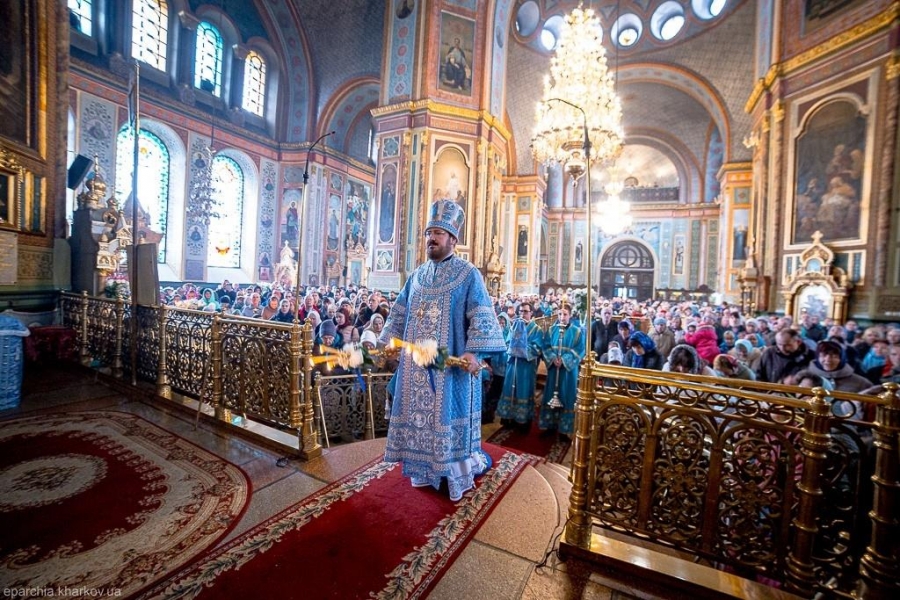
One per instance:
(715, 469)
(101, 327)
(377, 386)
(188, 340)
(256, 361)
(148, 343)
(344, 399)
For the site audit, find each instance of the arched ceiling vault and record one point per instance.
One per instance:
(683, 90)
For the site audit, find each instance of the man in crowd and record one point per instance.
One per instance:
(603, 331)
(663, 337)
(788, 356)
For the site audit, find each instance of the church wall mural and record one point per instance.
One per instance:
(356, 228)
(456, 69)
(830, 172)
(450, 180)
(387, 205)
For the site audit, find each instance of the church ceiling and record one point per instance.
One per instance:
(718, 61)
(345, 42)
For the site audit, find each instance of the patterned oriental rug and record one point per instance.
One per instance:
(107, 503)
(368, 535)
(546, 445)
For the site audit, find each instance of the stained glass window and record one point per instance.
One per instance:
(208, 60)
(153, 179)
(81, 16)
(150, 32)
(225, 229)
(254, 84)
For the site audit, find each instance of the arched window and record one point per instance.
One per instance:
(254, 84)
(225, 230)
(150, 32)
(208, 60)
(81, 16)
(153, 179)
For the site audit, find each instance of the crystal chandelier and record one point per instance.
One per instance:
(578, 75)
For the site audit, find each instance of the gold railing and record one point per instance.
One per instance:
(351, 407)
(258, 369)
(776, 482)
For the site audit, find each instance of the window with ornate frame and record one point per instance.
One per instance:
(208, 60)
(150, 32)
(81, 16)
(226, 228)
(254, 84)
(153, 179)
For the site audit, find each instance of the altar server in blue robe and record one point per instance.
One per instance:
(435, 424)
(563, 352)
(526, 339)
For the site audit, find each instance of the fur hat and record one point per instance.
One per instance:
(368, 336)
(446, 215)
(614, 355)
(327, 328)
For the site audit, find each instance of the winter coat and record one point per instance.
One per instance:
(775, 366)
(705, 341)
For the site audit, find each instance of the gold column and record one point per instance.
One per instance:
(309, 439)
(215, 355)
(801, 572)
(774, 201)
(162, 375)
(117, 351)
(84, 355)
(878, 568)
(886, 171)
(578, 530)
(295, 414)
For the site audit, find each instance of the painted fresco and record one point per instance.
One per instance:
(457, 49)
(451, 182)
(333, 221)
(818, 12)
(356, 236)
(830, 169)
(740, 225)
(388, 205)
(15, 70)
(290, 218)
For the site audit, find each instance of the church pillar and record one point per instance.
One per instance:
(430, 151)
(887, 170)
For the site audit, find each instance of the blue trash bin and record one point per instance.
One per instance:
(11, 361)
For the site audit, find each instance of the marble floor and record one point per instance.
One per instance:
(511, 557)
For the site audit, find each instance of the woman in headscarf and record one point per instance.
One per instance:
(642, 354)
(684, 359)
(208, 298)
(729, 367)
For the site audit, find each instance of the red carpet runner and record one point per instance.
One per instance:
(368, 535)
(547, 445)
(106, 502)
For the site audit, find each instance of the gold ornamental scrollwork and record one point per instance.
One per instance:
(892, 68)
(778, 111)
(848, 38)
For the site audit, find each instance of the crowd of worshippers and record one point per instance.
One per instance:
(684, 337)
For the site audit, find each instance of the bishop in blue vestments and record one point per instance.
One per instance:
(435, 424)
